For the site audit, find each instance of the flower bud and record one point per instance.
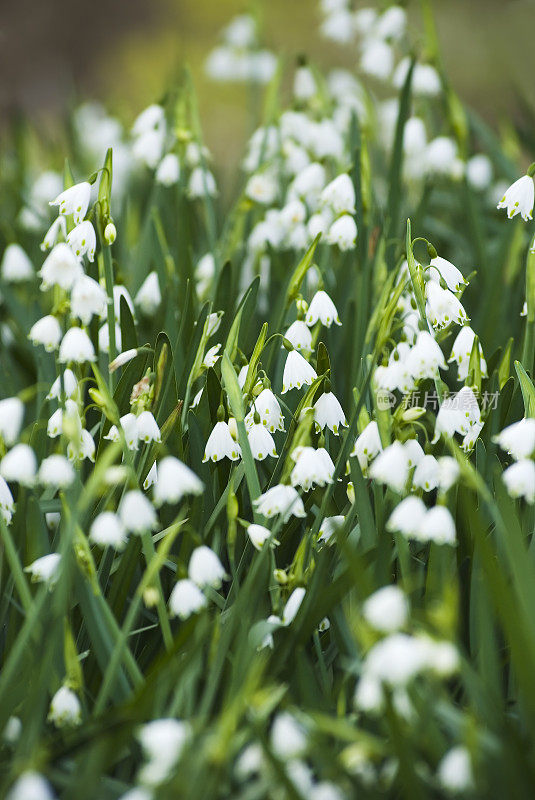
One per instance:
(110, 233)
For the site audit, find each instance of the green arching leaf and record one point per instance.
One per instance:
(255, 358)
(528, 390)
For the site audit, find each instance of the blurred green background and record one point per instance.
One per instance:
(124, 52)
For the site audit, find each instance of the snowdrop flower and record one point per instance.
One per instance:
(250, 761)
(168, 172)
(308, 184)
(76, 346)
(45, 569)
(448, 472)
(310, 469)
(339, 194)
(136, 512)
(122, 359)
(470, 415)
(437, 526)
(391, 467)
(449, 418)
(60, 268)
(87, 298)
(147, 428)
(407, 516)
(414, 137)
(149, 296)
(519, 198)
(426, 475)
(162, 742)
(299, 335)
(107, 530)
(288, 738)
(519, 479)
(425, 78)
(441, 157)
(56, 471)
(82, 239)
(414, 452)
(104, 337)
(297, 372)
(280, 499)
(152, 477)
(205, 568)
(129, 426)
(186, 599)
(453, 277)
(174, 481)
(46, 331)
(261, 441)
(16, 266)
(461, 351)
(220, 444)
(425, 359)
(150, 118)
(19, 465)
(328, 412)
(263, 188)
(479, 172)
(293, 605)
(397, 659)
(74, 200)
(211, 357)
(337, 26)
(11, 416)
(268, 408)
(442, 306)
(7, 506)
(30, 786)
(377, 59)
(387, 609)
(148, 147)
(65, 709)
(70, 415)
(201, 184)
(52, 236)
(343, 232)
(392, 23)
(322, 308)
(367, 445)
(304, 86)
(258, 535)
(83, 448)
(329, 526)
(518, 439)
(12, 731)
(455, 771)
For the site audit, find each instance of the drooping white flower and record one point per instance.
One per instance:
(57, 229)
(377, 59)
(297, 372)
(11, 416)
(441, 158)
(174, 481)
(328, 412)
(130, 428)
(149, 296)
(7, 506)
(258, 535)
(425, 78)
(220, 444)
(414, 452)
(518, 439)
(269, 410)
(387, 609)
(147, 428)
(65, 709)
(442, 306)
(82, 239)
(186, 599)
(519, 198)
(304, 85)
(30, 785)
(104, 338)
(343, 233)
(329, 526)
(519, 479)
(293, 604)
(205, 568)
(46, 331)
(310, 469)
(56, 422)
(280, 499)
(107, 530)
(74, 200)
(407, 516)
(87, 298)
(479, 172)
(367, 445)
(461, 351)
(60, 268)
(19, 465)
(149, 146)
(453, 277)
(425, 359)
(163, 742)
(83, 448)
(137, 513)
(168, 172)
(152, 477)
(261, 441)
(322, 308)
(201, 184)
(437, 526)
(45, 569)
(263, 188)
(70, 386)
(76, 346)
(16, 266)
(212, 356)
(454, 772)
(391, 467)
(299, 335)
(339, 195)
(56, 471)
(448, 472)
(426, 474)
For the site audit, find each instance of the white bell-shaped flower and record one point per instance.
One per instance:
(263, 188)
(16, 266)
(343, 233)
(328, 413)
(201, 184)
(148, 147)
(19, 465)
(149, 296)
(83, 448)
(322, 308)
(299, 335)
(519, 479)
(30, 785)
(137, 513)
(56, 471)
(147, 428)
(45, 569)
(186, 599)
(60, 268)
(414, 452)
(367, 445)
(407, 516)
(329, 526)
(268, 408)
(259, 535)
(426, 474)
(470, 414)
(76, 346)
(519, 198)
(453, 277)
(11, 416)
(454, 772)
(518, 439)
(205, 568)
(107, 530)
(56, 422)
(162, 742)
(387, 609)
(174, 481)
(288, 737)
(442, 306)
(391, 467)
(70, 386)
(46, 331)
(104, 338)
(297, 372)
(168, 172)
(261, 441)
(293, 604)
(57, 232)
(7, 506)
(87, 298)
(437, 526)
(82, 239)
(425, 359)
(339, 195)
(377, 59)
(65, 709)
(280, 499)
(448, 472)
(212, 356)
(220, 444)
(74, 200)
(461, 351)
(310, 469)
(152, 477)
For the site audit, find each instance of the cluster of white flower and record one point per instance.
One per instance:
(239, 58)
